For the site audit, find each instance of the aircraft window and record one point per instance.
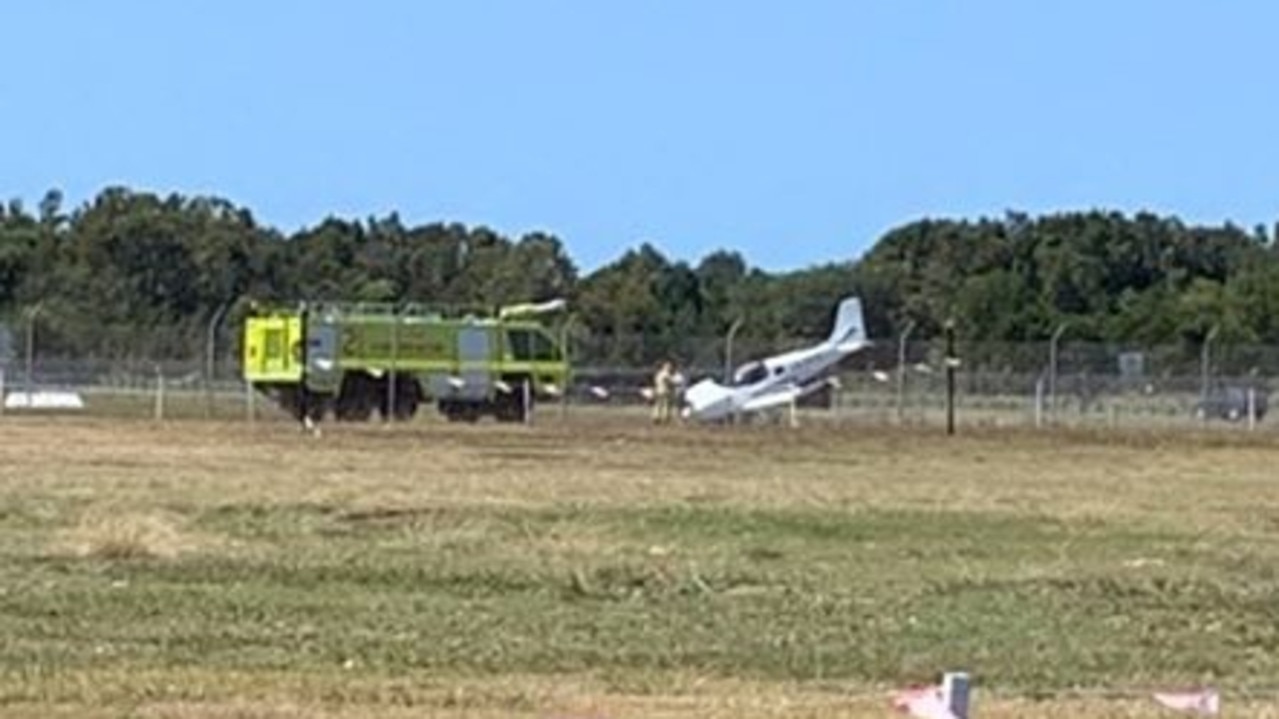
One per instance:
(751, 374)
(779, 370)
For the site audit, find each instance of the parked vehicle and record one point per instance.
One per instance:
(353, 359)
(1231, 403)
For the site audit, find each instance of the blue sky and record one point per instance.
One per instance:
(795, 132)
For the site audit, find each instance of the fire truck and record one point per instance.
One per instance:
(352, 360)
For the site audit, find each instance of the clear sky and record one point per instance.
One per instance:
(795, 132)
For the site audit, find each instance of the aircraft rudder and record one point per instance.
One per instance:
(849, 322)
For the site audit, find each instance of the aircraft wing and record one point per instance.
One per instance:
(780, 398)
(772, 400)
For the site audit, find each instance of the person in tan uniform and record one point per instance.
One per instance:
(664, 393)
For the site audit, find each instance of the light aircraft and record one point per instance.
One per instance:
(775, 382)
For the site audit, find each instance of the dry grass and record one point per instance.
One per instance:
(583, 698)
(121, 533)
(1219, 482)
(102, 520)
(576, 697)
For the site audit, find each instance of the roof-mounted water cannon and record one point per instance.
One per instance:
(532, 308)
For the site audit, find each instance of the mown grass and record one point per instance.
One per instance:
(612, 569)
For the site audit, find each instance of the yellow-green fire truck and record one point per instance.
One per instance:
(352, 360)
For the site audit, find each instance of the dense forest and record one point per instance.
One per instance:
(136, 274)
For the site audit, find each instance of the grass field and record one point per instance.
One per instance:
(597, 567)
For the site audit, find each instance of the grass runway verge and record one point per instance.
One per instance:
(604, 568)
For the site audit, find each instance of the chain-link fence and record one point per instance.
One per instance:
(894, 381)
(174, 374)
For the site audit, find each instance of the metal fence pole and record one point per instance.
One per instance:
(566, 350)
(1205, 361)
(31, 347)
(1052, 369)
(901, 372)
(1039, 403)
(391, 376)
(210, 355)
(728, 349)
(951, 363)
(159, 393)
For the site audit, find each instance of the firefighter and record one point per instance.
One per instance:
(664, 393)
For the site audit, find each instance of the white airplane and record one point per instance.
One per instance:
(777, 381)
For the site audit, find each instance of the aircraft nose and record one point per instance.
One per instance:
(711, 409)
(702, 398)
(707, 400)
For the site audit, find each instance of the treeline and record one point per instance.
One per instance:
(135, 274)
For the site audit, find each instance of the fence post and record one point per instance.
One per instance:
(1252, 406)
(951, 362)
(248, 400)
(901, 372)
(1039, 402)
(728, 349)
(391, 399)
(525, 398)
(566, 351)
(1205, 368)
(836, 393)
(159, 393)
(2, 396)
(210, 355)
(1052, 368)
(31, 348)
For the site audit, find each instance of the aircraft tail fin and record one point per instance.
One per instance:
(849, 325)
